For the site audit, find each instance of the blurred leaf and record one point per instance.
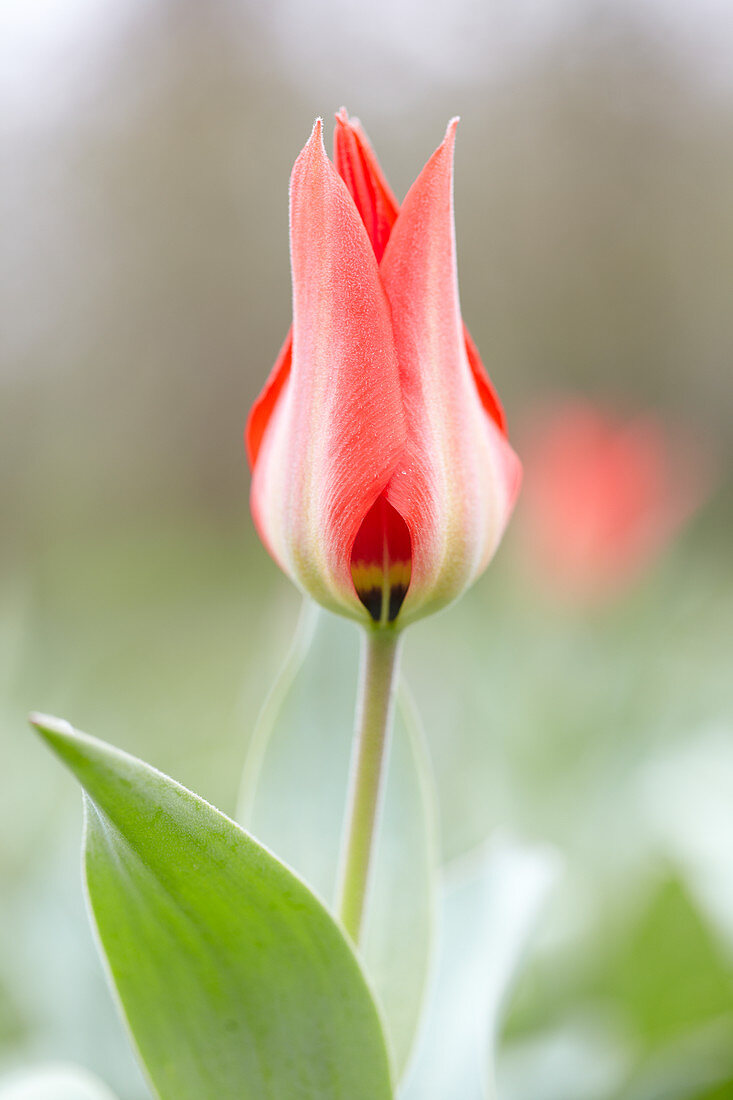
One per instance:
(234, 980)
(660, 983)
(719, 1092)
(53, 1083)
(691, 1067)
(490, 905)
(686, 795)
(670, 975)
(293, 798)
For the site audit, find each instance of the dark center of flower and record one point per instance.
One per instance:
(381, 561)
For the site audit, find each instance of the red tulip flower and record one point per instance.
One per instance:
(604, 494)
(382, 475)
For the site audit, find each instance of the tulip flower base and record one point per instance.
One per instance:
(382, 481)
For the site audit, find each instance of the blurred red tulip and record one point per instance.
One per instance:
(382, 475)
(604, 495)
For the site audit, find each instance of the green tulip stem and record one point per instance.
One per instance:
(375, 706)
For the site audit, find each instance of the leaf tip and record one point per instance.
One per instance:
(50, 728)
(61, 737)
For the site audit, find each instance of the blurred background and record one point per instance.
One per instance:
(144, 292)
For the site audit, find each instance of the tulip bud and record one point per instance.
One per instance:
(382, 474)
(604, 495)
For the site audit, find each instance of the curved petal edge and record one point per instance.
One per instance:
(336, 430)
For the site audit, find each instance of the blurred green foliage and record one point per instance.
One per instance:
(144, 295)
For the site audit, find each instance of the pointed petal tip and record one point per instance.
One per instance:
(313, 151)
(317, 131)
(450, 132)
(350, 122)
(444, 153)
(315, 141)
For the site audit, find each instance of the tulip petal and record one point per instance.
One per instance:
(357, 164)
(264, 406)
(381, 561)
(487, 394)
(457, 482)
(337, 429)
(360, 170)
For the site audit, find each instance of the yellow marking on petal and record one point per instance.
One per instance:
(399, 574)
(381, 590)
(366, 575)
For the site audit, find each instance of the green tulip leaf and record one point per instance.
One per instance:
(234, 980)
(293, 798)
